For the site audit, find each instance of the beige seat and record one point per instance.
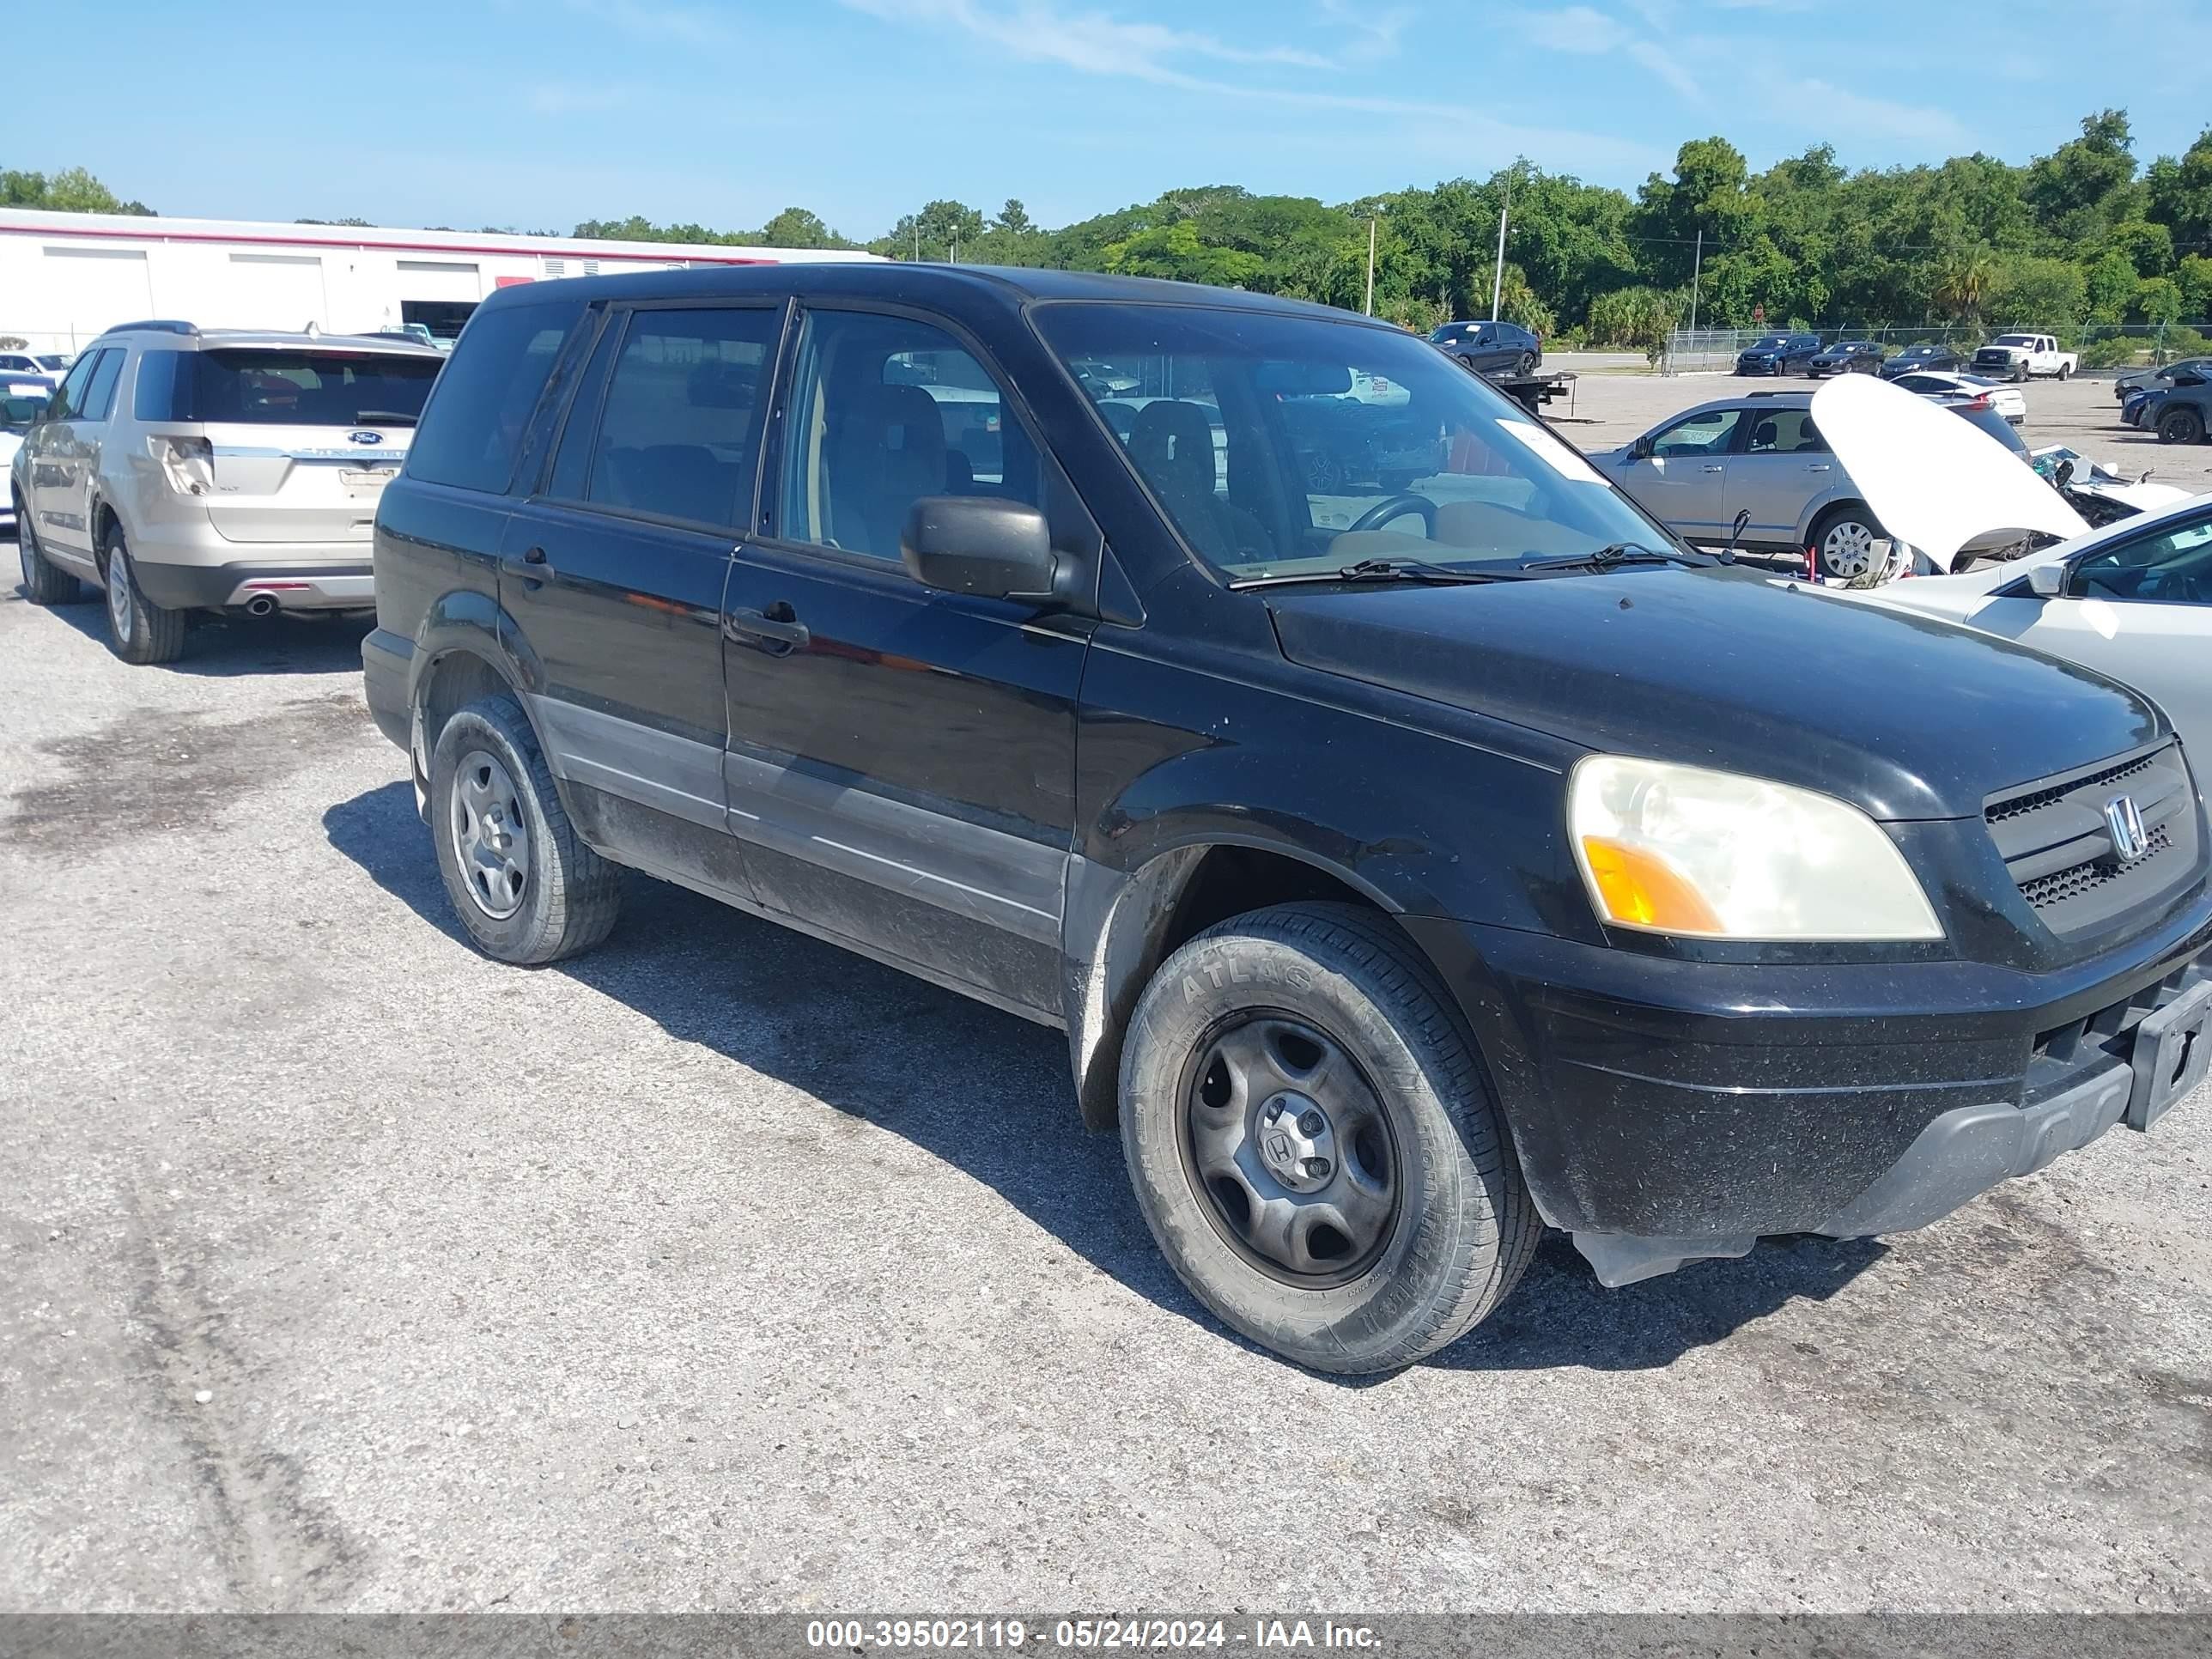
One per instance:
(1172, 443)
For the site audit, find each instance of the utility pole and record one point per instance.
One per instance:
(1696, 271)
(917, 241)
(1498, 276)
(1371, 264)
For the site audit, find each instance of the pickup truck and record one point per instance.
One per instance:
(2017, 357)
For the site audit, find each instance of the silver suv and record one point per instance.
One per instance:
(186, 469)
(1759, 454)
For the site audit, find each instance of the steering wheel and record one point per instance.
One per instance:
(1397, 506)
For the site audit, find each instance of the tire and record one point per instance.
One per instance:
(1526, 366)
(138, 630)
(1305, 993)
(1850, 554)
(487, 771)
(2181, 426)
(2020, 374)
(2065, 371)
(45, 582)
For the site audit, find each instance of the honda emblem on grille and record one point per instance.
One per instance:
(2125, 821)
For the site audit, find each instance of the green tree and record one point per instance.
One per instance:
(2037, 293)
(799, 227)
(933, 232)
(2110, 281)
(73, 190)
(1013, 219)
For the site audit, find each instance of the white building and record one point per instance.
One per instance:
(66, 276)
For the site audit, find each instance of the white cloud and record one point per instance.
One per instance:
(1589, 31)
(1374, 33)
(1819, 104)
(656, 19)
(567, 98)
(1090, 41)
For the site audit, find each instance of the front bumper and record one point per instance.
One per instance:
(1666, 1109)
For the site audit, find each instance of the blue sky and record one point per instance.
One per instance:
(542, 112)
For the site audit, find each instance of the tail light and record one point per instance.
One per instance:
(1979, 404)
(187, 463)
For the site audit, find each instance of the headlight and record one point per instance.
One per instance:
(1682, 850)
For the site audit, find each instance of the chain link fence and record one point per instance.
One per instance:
(2109, 346)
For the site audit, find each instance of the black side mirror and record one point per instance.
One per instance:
(1642, 448)
(979, 544)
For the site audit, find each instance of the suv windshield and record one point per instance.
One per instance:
(1293, 445)
(257, 387)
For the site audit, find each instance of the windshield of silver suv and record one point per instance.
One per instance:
(1286, 446)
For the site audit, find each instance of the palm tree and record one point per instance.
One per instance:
(1963, 277)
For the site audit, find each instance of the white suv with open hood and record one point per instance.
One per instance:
(186, 469)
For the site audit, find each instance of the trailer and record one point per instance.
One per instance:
(64, 277)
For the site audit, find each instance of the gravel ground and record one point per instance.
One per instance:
(346, 1269)
(1610, 409)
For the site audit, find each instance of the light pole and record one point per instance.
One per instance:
(1371, 263)
(1498, 276)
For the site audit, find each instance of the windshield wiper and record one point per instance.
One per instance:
(1614, 554)
(1381, 570)
(386, 418)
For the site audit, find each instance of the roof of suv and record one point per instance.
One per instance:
(189, 336)
(938, 283)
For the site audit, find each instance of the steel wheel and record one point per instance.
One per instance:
(120, 612)
(1290, 1151)
(1847, 550)
(491, 836)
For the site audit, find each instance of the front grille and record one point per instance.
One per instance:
(2057, 843)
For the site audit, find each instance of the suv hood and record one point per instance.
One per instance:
(1933, 480)
(1902, 715)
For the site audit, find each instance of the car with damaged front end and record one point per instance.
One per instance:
(1410, 864)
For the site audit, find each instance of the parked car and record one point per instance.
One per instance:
(2132, 599)
(186, 470)
(418, 332)
(1925, 357)
(2019, 356)
(1847, 357)
(2152, 380)
(47, 366)
(1777, 354)
(2007, 400)
(16, 414)
(1759, 454)
(1131, 744)
(1492, 347)
(2180, 413)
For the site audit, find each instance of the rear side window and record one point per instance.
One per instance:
(473, 431)
(680, 433)
(154, 397)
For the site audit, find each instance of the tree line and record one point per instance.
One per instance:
(2084, 236)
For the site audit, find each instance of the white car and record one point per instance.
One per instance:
(47, 365)
(19, 406)
(2008, 401)
(2133, 600)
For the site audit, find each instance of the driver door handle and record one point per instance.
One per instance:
(1818, 467)
(1716, 469)
(763, 632)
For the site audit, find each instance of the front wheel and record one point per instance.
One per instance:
(1315, 1144)
(1844, 542)
(525, 887)
(2181, 426)
(138, 630)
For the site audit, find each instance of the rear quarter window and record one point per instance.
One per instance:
(472, 431)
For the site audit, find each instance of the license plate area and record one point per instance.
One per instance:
(2172, 1054)
(365, 484)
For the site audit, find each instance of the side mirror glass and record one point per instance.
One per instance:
(2047, 581)
(980, 545)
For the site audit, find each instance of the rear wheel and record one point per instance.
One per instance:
(1844, 540)
(1313, 1142)
(525, 887)
(138, 630)
(2065, 371)
(2181, 426)
(45, 582)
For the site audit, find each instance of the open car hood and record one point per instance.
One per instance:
(1933, 480)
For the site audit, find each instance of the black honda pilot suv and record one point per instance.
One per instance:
(1410, 866)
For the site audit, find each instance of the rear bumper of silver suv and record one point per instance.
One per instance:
(273, 581)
